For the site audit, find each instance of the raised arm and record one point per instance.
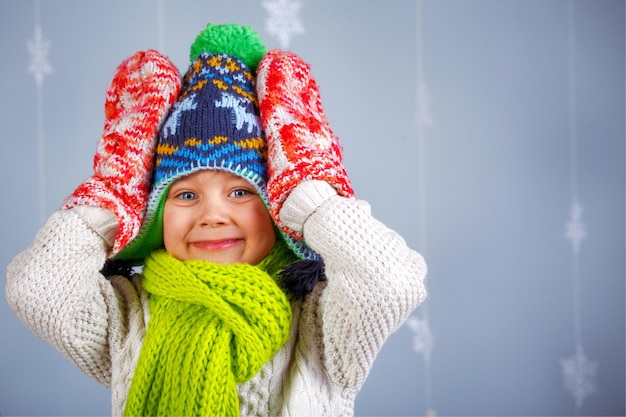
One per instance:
(55, 286)
(374, 280)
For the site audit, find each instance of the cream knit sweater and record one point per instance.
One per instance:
(374, 281)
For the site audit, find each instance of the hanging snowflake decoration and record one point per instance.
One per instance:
(575, 229)
(38, 50)
(283, 21)
(422, 336)
(424, 115)
(578, 375)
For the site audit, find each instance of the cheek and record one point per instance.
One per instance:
(266, 230)
(265, 235)
(171, 227)
(263, 222)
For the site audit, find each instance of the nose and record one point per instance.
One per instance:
(214, 212)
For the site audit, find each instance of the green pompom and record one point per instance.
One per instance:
(239, 41)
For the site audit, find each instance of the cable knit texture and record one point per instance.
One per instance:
(213, 326)
(374, 281)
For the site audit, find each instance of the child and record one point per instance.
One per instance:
(265, 287)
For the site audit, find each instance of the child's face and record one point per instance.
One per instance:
(216, 216)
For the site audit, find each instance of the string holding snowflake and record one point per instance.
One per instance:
(579, 375)
(283, 20)
(38, 50)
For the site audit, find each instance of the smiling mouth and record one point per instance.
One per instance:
(217, 245)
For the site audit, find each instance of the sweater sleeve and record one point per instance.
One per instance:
(374, 280)
(57, 291)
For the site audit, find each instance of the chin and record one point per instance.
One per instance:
(223, 260)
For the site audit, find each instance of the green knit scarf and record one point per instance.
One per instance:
(211, 327)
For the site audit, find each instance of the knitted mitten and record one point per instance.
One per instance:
(301, 145)
(139, 97)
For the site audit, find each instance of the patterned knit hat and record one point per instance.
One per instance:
(214, 124)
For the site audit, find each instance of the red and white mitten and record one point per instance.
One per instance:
(301, 145)
(139, 96)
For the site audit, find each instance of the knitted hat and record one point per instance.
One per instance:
(214, 124)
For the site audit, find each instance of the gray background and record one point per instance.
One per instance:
(483, 190)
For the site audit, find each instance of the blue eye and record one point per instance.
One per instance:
(186, 195)
(240, 192)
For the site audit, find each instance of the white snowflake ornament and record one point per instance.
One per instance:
(422, 336)
(38, 50)
(575, 229)
(283, 21)
(578, 375)
(424, 114)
